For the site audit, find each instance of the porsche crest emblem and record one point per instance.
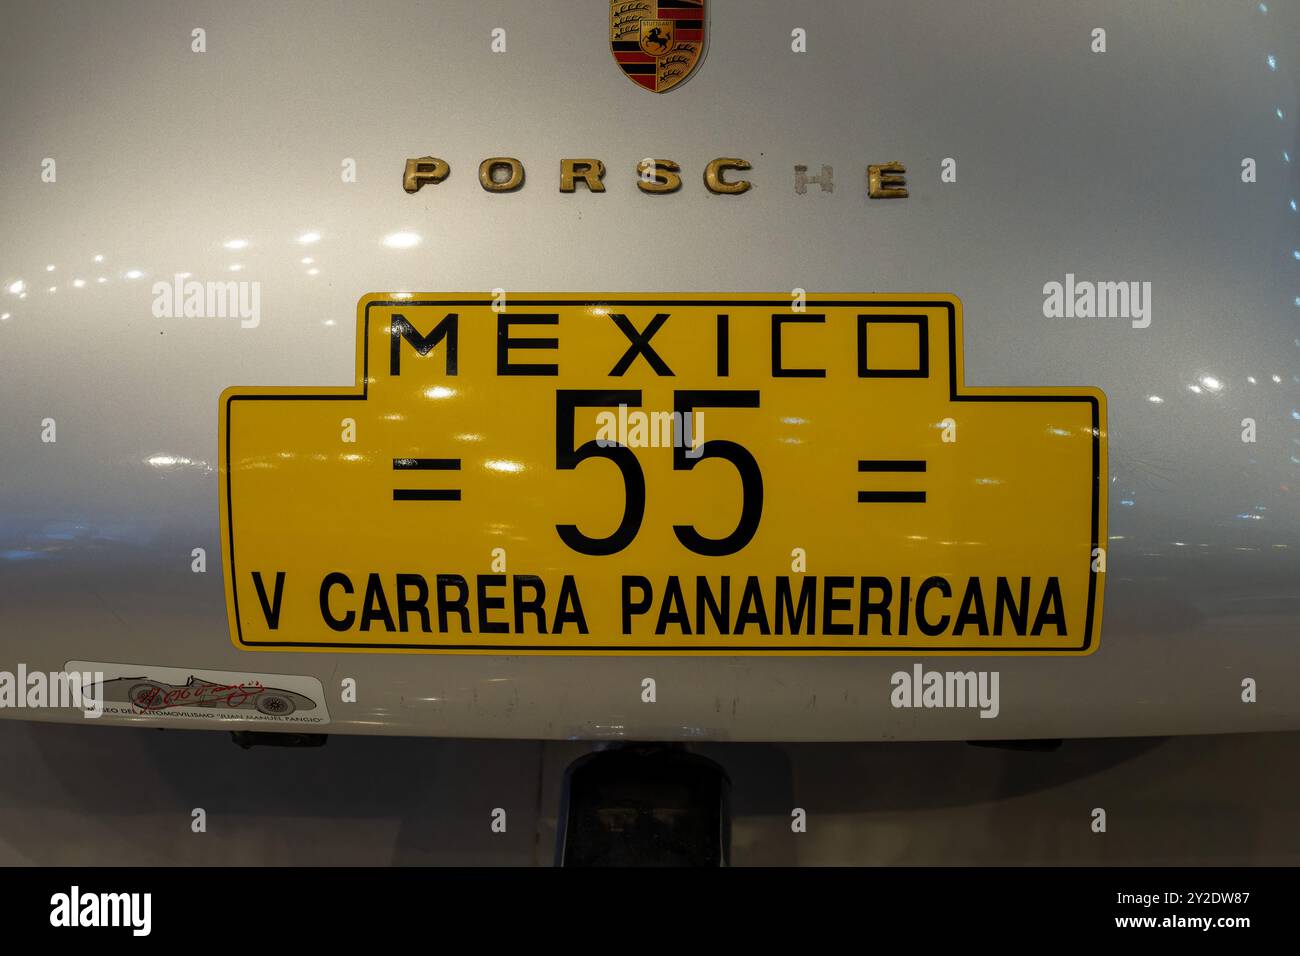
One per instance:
(657, 43)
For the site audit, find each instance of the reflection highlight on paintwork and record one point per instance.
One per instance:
(163, 460)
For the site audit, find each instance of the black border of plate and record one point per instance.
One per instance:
(684, 650)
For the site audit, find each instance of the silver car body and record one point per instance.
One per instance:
(1125, 165)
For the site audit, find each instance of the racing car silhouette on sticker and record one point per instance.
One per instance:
(151, 696)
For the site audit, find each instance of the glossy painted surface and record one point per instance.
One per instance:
(1122, 166)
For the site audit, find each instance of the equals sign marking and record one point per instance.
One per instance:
(426, 494)
(891, 465)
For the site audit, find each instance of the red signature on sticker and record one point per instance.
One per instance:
(150, 695)
(152, 698)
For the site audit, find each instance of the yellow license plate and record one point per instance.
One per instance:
(678, 474)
